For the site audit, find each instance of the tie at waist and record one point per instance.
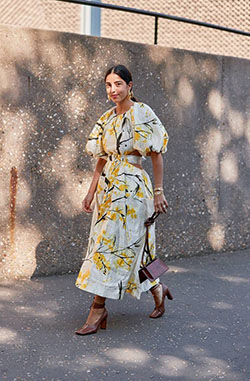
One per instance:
(132, 159)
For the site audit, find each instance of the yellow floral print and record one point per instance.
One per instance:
(123, 187)
(101, 263)
(124, 259)
(84, 278)
(101, 234)
(131, 286)
(124, 200)
(139, 194)
(131, 212)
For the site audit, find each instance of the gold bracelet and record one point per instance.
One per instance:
(158, 189)
(158, 192)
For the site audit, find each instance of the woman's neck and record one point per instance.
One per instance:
(122, 107)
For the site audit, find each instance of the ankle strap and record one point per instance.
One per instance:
(155, 287)
(97, 305)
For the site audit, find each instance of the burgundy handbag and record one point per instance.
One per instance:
(156, 267)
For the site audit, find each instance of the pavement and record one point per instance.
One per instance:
(204, 334)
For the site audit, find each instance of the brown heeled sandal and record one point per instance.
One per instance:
(87, 329)
(160, 309)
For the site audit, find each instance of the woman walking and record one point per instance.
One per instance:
(124, 199)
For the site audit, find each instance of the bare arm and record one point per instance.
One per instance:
(92, 188)
(160, 203)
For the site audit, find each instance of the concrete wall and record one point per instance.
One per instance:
(52, 92)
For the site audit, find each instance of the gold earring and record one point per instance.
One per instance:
(109, 98)
(130, 94)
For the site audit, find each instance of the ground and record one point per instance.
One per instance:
(204, 334)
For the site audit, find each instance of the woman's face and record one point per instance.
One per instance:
(117, 89)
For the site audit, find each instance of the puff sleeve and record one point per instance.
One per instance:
(94, 146)
(149, 135)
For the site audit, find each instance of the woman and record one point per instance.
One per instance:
(124, 199)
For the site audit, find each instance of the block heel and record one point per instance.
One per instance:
(160, 308)
(88, 329)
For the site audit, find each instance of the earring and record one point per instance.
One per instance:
(130, 94)
(109, 98)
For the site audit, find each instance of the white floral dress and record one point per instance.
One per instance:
(123, 201)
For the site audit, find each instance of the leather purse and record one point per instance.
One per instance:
(156, 267)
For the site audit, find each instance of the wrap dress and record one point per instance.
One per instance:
(123, 201)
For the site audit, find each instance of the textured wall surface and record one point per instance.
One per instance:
(51, 94)
(138, 28)
(44, 14)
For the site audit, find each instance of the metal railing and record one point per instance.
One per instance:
(157, 16)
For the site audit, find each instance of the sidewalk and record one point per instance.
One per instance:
(204, 334)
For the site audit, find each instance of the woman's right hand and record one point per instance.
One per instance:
(87, 202)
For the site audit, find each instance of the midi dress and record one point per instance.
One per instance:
(124, 199)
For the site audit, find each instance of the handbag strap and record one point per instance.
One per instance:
(149, 221)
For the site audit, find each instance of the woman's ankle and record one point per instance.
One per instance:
(99, 301)
(153, 288)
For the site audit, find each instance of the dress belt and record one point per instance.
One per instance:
(132, 159)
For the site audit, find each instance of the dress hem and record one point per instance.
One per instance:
(105, 293)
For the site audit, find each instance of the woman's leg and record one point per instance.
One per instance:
(95, 313)
(159, 292)
(96, 319)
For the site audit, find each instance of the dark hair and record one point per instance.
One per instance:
(124, 73)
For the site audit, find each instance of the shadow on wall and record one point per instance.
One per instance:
(52, 93)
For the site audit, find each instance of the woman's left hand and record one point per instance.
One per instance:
(160, 203)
